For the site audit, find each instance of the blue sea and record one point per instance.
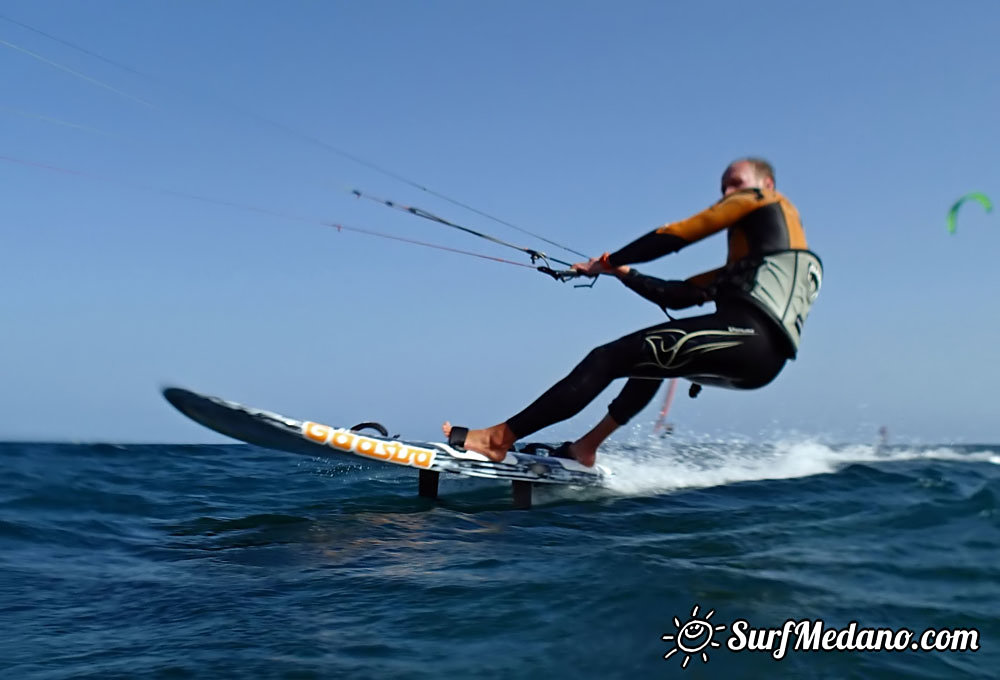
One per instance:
(230, 561)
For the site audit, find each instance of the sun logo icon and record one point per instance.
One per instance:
(693, 637)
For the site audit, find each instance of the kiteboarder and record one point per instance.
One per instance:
(762, 297)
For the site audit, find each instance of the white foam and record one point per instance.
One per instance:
(656, 465)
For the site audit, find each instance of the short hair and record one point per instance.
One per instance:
(762, 167)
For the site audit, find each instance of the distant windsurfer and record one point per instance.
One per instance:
(762, 296)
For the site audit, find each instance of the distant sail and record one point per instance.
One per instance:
(661, 422)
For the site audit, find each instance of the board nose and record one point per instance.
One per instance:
(176, 396)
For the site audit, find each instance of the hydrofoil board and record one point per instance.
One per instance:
(523, 466)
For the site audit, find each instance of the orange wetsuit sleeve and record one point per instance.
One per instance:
(672, 237)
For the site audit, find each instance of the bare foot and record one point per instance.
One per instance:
(493, 442)
(584, 449)
(583, 453)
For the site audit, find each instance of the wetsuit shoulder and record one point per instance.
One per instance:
(670, 238)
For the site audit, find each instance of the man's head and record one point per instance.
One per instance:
(747, 173)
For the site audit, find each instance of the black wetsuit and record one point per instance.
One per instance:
(738, 346)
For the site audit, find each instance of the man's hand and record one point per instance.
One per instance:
(597, 265)
(591, 267)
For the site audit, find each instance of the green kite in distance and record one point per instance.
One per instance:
(974, 196)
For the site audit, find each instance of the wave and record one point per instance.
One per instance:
(654, 466)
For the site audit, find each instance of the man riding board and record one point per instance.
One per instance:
(762, 296)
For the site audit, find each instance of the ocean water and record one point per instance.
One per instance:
(166, 561)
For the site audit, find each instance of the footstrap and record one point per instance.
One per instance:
(378, 427)
(456, 438)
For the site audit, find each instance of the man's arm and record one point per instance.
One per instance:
(672, 237)
(665, 294)
(705, 279)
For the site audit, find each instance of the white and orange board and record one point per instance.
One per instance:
(275, 431)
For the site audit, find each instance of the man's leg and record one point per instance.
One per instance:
(735, 346)
(561, 401)
(698, 346)
(634, 397)
(570, 395)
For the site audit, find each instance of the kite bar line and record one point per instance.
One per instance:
(288, 130)
(557, 275)
(535, 255)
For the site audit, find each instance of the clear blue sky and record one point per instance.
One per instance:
(588, 122)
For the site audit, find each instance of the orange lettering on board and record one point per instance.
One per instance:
(343, 441)
(393, 452)
(401, 456)
(316, 432)
(380, 451)
(423, 459)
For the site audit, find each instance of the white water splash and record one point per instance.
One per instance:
(657, 466)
